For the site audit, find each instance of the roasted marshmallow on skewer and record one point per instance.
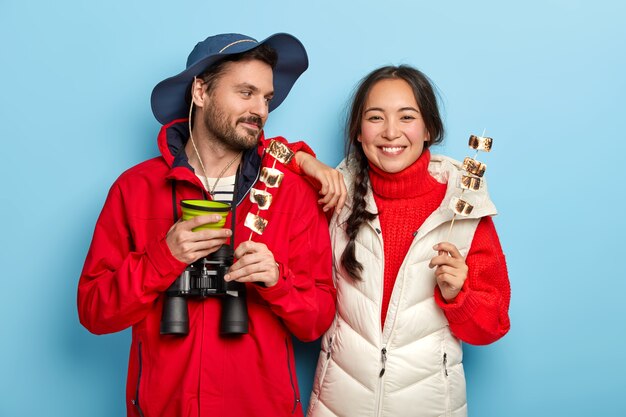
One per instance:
(255, 223)
(460, 207)
(271, 177)
(261, 198)
(470, 183)
(280, 152)
(480, 143)
(471, 180)
(474, 167)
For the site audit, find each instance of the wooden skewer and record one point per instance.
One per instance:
(450, 229)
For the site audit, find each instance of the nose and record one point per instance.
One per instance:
(260, 107)
(391, 130)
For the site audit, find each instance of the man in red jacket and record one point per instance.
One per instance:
(281, 254)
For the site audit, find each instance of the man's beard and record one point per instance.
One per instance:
(216, 123)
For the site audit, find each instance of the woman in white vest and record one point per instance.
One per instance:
(406, 296)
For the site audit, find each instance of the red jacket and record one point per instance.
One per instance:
(129, 266)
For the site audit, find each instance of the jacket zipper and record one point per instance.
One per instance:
(446, 382)
(383, 359)
(328, 355)
(296, 400)
(322, 376)
(383, 351)
(381, 382)
(135, 401)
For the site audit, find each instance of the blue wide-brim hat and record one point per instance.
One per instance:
(169, 96)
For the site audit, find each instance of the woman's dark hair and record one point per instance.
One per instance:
(426, 99)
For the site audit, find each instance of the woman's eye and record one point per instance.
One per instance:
(374, 118)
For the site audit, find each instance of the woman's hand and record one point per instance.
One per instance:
(333, 189)
(451, 270)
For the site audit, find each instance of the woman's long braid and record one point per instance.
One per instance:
(358, 216)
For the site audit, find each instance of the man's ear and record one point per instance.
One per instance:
(198, 92)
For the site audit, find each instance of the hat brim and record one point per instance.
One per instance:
(168, 97)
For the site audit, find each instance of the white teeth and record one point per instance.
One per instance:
(394, 149)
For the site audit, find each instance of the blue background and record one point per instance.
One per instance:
(545, 78)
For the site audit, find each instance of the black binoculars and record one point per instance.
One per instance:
(205, 278)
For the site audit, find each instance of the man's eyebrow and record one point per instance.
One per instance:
(248, 86)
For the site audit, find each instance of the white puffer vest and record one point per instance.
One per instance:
(421, 358)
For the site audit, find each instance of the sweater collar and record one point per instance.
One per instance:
(413, 181)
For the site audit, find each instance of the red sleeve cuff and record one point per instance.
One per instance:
(298, 147)
(461, 308)
(280, 289)
(165, 264)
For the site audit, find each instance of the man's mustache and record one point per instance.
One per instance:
(252, 120)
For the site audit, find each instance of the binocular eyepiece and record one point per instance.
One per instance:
(205, 278)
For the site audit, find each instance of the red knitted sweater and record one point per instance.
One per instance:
(479, 314)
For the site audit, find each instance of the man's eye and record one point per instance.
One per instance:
(246, 93)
